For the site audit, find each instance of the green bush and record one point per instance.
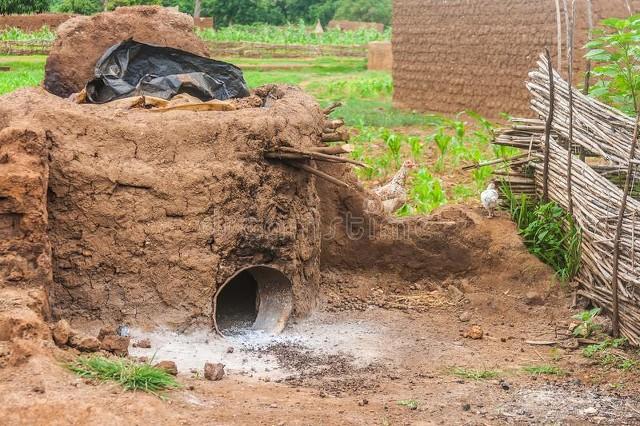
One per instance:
(364, 10)
(616, 52)
(112, 4)
(549, 233)
(83, 7)
(23, 6)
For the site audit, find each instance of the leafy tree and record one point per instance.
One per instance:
(112, 4)
(23, 6)
(83, 7)
(365, 10)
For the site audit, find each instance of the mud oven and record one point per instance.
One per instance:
(162, 219)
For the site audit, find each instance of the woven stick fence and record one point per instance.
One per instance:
(604, 132)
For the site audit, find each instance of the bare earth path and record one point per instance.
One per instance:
(364, 366)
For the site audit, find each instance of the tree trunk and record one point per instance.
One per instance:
(196, 9)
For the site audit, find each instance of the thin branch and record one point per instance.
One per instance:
(328, 110)
(587, 72)
(317, 172)
(559, 35)
(547, 131)
(570, 22)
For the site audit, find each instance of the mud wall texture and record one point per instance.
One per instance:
(25, 253)
(150, 213)
(453, 55)
(379, 56)
(33, 22)
(81, 41)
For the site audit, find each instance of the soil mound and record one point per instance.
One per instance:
(82, 40)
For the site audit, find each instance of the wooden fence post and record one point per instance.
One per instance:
(570, 22)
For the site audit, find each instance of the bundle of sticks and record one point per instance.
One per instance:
(304, 159)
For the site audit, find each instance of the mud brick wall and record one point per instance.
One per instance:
(453, 55)
(33, 22)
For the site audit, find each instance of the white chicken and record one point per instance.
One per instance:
(489, 198)
(393, 195)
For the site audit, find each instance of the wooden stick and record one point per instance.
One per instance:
(333, 150)
(616, 242)
(587, 72)
(496, 161)
(328, 110)
(570, 21)
(547, 132)
(295, 154)
(317, 172)
(334, 137)
(559, 35)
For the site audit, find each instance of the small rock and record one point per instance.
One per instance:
(85, 343)
(474, 332)
(168, 366)
(142, 343)
(38, 389)
(591, 411)
(213, 371)
(117, 345)
(62, 332)
(466, 407)
(273, 406)
(230, 350)
(105, 331)
(363, 403)
(465, 316)
(533, 298)
(505, 385)
(454, 293)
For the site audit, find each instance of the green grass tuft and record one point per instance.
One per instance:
(549, 370)
(411, 404)
(130, 375)
(472, 374)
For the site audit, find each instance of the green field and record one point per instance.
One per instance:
(382, 135)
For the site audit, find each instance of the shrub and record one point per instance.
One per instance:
(23, 6)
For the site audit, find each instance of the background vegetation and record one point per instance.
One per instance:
(227, 12)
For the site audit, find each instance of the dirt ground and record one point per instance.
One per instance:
(378, 351)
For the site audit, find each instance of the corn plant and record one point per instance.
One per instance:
(426, 194)
(415, 143)
(292, 34)
(481, 176)
(393, 142)
(443, 141)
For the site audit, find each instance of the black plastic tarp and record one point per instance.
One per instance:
(131, 68)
